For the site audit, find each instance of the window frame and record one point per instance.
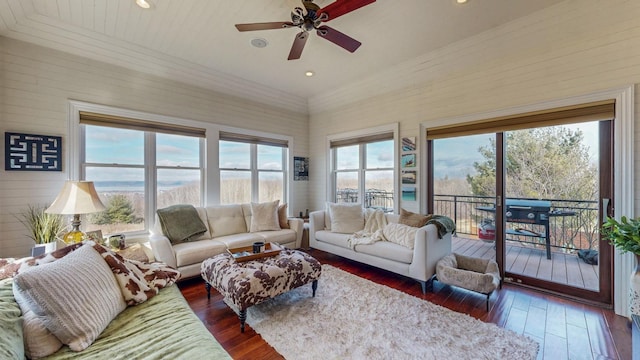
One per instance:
(362, 169)
(254, 171)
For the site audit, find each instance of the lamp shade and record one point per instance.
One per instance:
(77, 197)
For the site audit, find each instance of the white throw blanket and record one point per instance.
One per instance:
(374, 222)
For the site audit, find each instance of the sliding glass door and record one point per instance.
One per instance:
(531, 198)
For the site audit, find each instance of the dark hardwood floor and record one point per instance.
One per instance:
(565, 329)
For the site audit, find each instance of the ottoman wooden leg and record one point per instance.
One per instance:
(243, 317)
(314, 287)
(208, 287)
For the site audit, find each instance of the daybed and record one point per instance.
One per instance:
(227, 226)
(415, 257)
(163, 327)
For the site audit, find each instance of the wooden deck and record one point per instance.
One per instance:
(565, 269)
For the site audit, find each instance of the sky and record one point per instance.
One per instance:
(454, 157)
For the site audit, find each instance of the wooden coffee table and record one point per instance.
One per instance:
(249, 283)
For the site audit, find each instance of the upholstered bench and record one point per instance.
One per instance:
(244, 284)
(475, 274)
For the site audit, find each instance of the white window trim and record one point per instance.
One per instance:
(623, 166)
(288, 164)
(330, 191)
(76, 139)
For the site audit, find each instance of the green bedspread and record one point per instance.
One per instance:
(161, 328)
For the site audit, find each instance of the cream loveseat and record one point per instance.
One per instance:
(418, 260)
(228, 226)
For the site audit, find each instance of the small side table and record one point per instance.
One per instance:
(304, 244)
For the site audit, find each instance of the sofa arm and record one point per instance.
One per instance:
(316, 223)
(297, 224)
(428, 249)
(163, 250)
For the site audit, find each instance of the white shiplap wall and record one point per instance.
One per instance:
(574, 48)
(37, 83)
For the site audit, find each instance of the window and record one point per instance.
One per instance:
(363, 171)
(137, 169)
(252, 169)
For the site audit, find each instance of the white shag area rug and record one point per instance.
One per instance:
(354, 318)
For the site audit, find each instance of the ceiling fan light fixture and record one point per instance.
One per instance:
(309, 73)
(143, 4)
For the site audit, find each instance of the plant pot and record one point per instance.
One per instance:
(40, 249)
(634, 289)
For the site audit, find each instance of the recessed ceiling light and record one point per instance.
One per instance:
(259, 42)
(143, 4)
(461, 1)
(309, 73)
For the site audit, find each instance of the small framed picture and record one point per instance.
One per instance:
(409, 143)
(409, 177)
(96, 236)
(409, 193)
(408, 160)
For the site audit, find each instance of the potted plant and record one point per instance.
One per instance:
(625, 236)
(44, 228)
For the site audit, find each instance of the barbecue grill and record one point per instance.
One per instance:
(535, 212)
(528, 211)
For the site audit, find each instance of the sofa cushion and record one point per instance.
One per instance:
(333, 238)
(226, 220)
(400, 234)
(240, 240)
(412, 219)
(280, 236)
(264, 216)
(387, 250)
(196, 251)
(346, 218)
(64, 294)
(282, 217)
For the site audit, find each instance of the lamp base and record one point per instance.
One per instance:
(73, 236)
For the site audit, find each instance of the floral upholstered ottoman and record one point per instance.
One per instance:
(249, 283)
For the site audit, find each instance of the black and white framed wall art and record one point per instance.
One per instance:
(29, 152)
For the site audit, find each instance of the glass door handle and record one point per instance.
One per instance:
(605, 208)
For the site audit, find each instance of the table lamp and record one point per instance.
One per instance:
(76, 198)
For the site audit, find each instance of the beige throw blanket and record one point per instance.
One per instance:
(374, 222)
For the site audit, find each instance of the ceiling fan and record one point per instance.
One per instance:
(308, 17)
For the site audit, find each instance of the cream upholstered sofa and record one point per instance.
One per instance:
(228, 226)
(418, 262)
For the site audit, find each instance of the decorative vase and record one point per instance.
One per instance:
(634, 289)
(40, 249)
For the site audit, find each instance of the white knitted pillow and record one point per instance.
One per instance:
(400, 234)
(76, 296)
(264, 216)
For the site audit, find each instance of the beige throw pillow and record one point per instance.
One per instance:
(282, 217)
(413, 219)
(346, 218)
(264, 216)
(38, 341)
(76, 296)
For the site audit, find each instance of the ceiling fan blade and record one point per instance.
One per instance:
(345, 41)
(264, 26)
(293, 4)
(298, 45)
(341, 7)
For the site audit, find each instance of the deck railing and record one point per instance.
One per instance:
(373, 198)
(567, 233)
